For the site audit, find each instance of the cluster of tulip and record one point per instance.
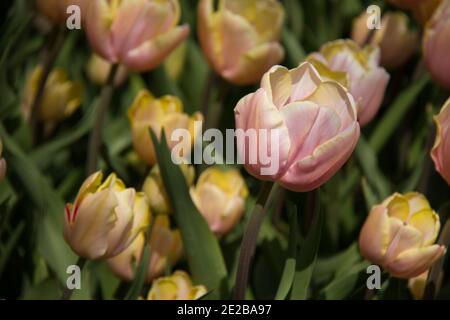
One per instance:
(318, 110)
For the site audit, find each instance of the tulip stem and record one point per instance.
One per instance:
(67, 293)
(436, 275)
(102, 109)
(248, 245)
(47, 65)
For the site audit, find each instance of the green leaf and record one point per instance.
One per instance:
(48, 204)
(369, 164)
(201, 247)
(288, 274)
(396, 112)
(141, 272)
(294, 51)
(369, 195)
(307, 255)
(342, 286)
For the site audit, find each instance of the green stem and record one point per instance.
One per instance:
(250, 238)
(67, 293)
(102, 109)
(435, 276)
(47, 66)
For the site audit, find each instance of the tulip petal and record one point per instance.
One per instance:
(373, 239)
(98, 30)
(314, 170)
(150, 54)
(413, 262)
(427, 222)
(402, 237)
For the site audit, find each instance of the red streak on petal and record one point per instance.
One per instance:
(75, 212)
(67, 209)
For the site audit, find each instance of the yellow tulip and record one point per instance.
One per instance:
(155, 190)
(166, 249)
(220, 197)
(178, 286)
(60, 100)
(240, 38)
(98, 69)
(417, 285)
(105, 218)
(167, 112)
(399, 234)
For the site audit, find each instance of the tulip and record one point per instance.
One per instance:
(367, 81)
(105, 217)
(175, 62)
(240, 38)
(98, 70)
(156, 192)
(397, 43)
(165, 113)
(139, 34)
(178, 286)
(421, 9)
(436, 45)
(165, 246)
(2, 163)
(56, 10)
(417, 285)
(441, 149)
(220, 197)
(399, 235)
(61, 97)
(314, 119)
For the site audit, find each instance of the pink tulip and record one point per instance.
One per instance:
(315, 121)
(441, 149)
(240, 38)
(399, 235)
(367, 81)
(139, 34)
(436, 45)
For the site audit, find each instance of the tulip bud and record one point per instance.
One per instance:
(2, 163)
(139, 34)
(98, 70)
(305, 125)
(105, 217)
(178, 286)
(61, 97)
(220, 197)
(399, 235)
(417, 285)
(367, 81)
(436, 45)
(165, 113)
(56, 10)
(165, 246)
(240, 38)
(441, 149)
(397, 43)
(156, 192)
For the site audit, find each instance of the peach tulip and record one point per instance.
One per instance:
(165, 246)
(165, 113)
(441, 150)
(399, 234)
(367, 81)
(178, 286)
(314, 119)
(397, 43)
(421, 9)
(436, 45)
(220, 197)
(105, 218)
(139, 34)
(240, 38)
